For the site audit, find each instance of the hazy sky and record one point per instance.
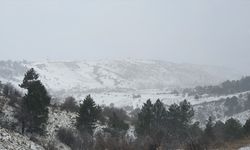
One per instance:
(213, 32)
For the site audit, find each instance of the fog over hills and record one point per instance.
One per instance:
(115, 75)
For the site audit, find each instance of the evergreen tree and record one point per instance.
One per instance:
(187, 112)
(34, 107)
(29, 78)
(145, 118)
(208, 132)
(159, 114)
(179, 119)
(159, 130)
(233, 129)
(87, 115)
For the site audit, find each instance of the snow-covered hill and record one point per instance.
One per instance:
(223, 108)
(78, 77)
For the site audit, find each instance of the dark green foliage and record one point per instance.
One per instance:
(233, 106)
(219, 130)
(247, 127)
(159, 114)
(233, 129)
(107, 112)
(172, 126)
(179, 118)
(36, 102)
(209, 133)
(208, 136)
(70, 104)
(34, 106)
(152, 122)
(29, 77)
(194, 141)
(145, 119)
(118, 124)
(87, 115)
(225, 88)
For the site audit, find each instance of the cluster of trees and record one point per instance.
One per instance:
(217, 133)
(225, 88)
(171, 127)
(155, 128)
(155, 125)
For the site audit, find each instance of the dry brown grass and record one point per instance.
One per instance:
(235, 145)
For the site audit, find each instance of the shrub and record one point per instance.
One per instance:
(66, 136)
(74, 139)
(247, 127)
(10, 91)
(218, 129)
(108, 142)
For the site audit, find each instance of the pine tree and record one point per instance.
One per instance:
(159, 114)
(145, 119)
(34, 107)
(187, 112)
(29, 77)
(208, 132)
(87, 115)
(179, 119)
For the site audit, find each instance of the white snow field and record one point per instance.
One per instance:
(117, 81)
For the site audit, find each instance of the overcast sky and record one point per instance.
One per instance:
(215, 32)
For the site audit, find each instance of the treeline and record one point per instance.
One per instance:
(225, 88)
(155, 128)
(151, 127)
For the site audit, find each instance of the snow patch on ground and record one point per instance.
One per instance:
(245, 148)
(10, 140)
(59, 119)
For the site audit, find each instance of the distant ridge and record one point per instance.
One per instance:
(115, 75)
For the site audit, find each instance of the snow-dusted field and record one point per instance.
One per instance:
(136, 99)
(10, 140)
(81, 77)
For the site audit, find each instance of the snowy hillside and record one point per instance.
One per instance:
(223, 108)
(10, 140)
(74, 78)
